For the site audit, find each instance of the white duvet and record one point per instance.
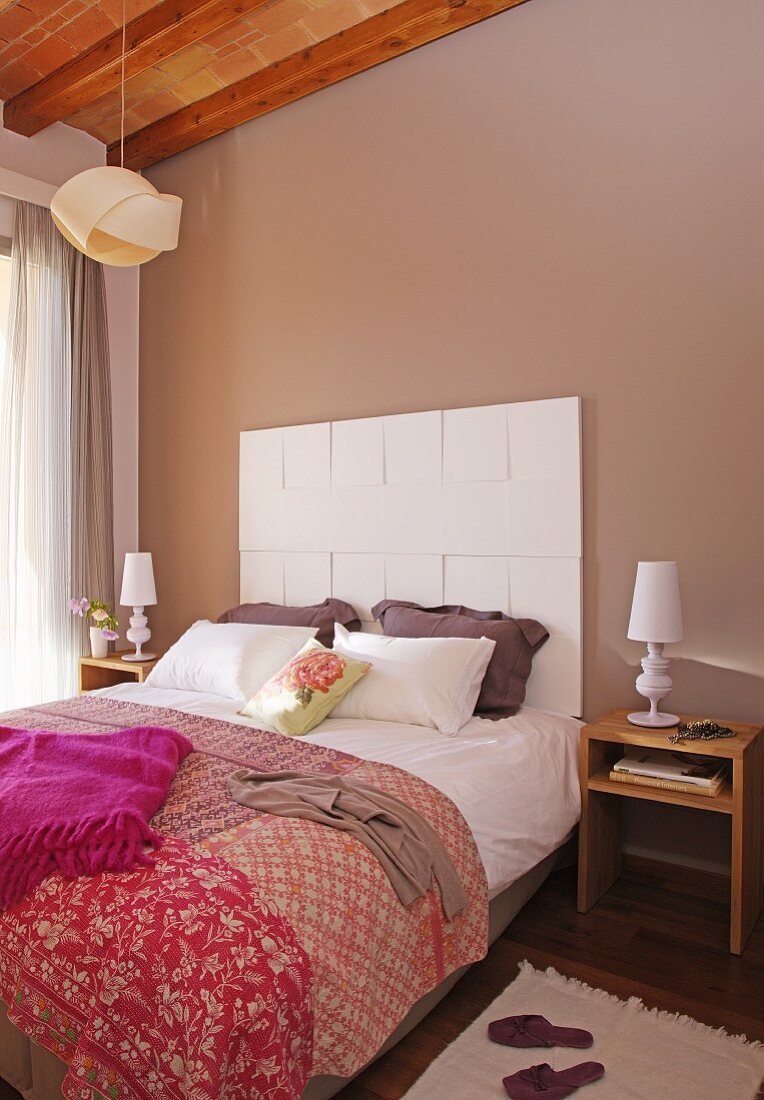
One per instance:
(515, 780)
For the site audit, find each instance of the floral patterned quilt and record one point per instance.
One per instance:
(257, 952)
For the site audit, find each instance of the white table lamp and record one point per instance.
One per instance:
(138, 591)
(656, 618)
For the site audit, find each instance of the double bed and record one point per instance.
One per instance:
(513, 781)
(355, 970)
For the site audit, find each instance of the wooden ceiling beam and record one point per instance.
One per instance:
(410, 24)
(159, 33)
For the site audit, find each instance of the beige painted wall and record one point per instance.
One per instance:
(565, 199)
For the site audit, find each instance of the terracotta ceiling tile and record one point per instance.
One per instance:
(187, 62)
(250, 38)
(258, 63)
(196, 87)
(53, 23)
(72, 8)
(16, 21)
(15, 77)
(227, 51)
(106, 127)
(280, 15)
(105, 104)
(50, 54)
(133, 122)
(41, 9)
(112, 9)
(233, 68)
(107, 131)
(222, 37)
(157, 107)
(374, 7)
(34, 36)
(87, 29)
(282, 44)
(82, 117)
(147, 83)
(331, 18)
(81, 120)
(138, 7)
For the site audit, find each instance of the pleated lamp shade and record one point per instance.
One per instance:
(116, 216)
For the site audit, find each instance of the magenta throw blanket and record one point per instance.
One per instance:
(80, 803)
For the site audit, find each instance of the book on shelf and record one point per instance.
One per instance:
(667, 784)
(676, 767)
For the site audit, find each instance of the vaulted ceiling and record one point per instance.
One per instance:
(195, 68)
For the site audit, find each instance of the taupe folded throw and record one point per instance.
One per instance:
(409, 850)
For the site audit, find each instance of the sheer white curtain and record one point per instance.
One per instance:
(41, 463)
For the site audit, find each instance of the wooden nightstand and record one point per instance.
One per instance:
(104, 672)
(599, 860)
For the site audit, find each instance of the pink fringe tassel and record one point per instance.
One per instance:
(88, 847)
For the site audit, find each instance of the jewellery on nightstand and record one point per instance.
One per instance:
(702, 730)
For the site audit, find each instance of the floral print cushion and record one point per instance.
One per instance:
(305, 690)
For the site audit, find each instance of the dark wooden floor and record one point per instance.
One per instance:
(661, 938)
(660, 934)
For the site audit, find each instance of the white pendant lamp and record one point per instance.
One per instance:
(114, 215)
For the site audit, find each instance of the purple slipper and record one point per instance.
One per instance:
(535, 1031)
(528, 1083)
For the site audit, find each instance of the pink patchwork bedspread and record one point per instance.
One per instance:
(257, 952)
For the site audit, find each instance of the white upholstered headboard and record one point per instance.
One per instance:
(478, 506)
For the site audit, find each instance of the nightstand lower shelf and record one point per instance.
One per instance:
(720, 804)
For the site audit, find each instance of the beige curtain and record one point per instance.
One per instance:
(55, 461)
(92, 521)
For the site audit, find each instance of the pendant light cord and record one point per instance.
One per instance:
(122, 109)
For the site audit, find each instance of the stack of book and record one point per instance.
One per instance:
(671, 771)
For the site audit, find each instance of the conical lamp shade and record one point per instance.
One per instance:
(116, 216)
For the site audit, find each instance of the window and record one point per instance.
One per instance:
(5, 296)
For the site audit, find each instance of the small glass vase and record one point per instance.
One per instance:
(99, 646)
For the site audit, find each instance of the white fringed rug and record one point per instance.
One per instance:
(647, 1054)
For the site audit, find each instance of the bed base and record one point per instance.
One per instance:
(37, 1074)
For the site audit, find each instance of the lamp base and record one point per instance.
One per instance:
(657, 720)
(655, 684)
(140, 635)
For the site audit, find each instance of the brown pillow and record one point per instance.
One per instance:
(517, 640)
(322, 615)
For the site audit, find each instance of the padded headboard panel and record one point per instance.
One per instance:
(480, 506)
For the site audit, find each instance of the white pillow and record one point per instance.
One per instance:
(415, 681)
(230, 659)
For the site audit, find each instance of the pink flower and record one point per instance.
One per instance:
(79, 607)
(110, 635)
(316, 670)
